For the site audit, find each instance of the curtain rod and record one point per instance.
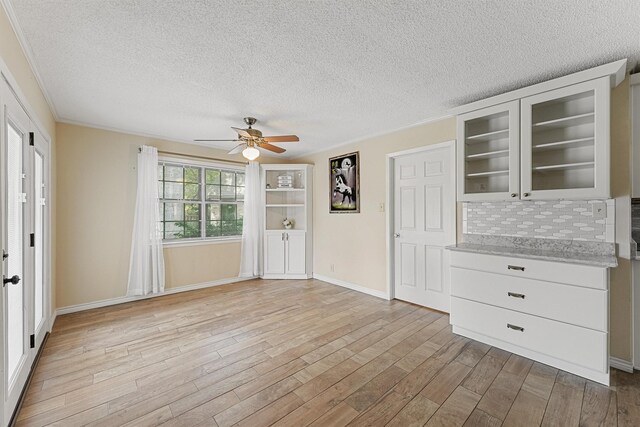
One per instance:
(171, 153)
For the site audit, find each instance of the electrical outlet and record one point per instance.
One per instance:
(332, 268)
(599, 210)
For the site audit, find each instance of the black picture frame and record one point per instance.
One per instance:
(344, 184)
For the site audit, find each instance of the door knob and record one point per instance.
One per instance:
(396, 235)
(13, 280)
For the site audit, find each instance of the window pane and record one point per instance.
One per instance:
(228, 212)
(228, 192)
(213, 192)
(191, 229)
(212, 176)
(173, 190)
(173, 173)
(229, 228)
(173, 230)
(240, 179)
(240, 193)
(160, 190)
(228, 178)
(192, 192)
(213, 228)
(192, 212)
(213, 212)
(173, 211)
(239, 227)
(192, 175)
(160, 172)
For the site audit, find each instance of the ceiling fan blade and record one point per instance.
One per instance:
(270, 147)
(216, 140)
(282, 138)
(238, 148)
(242, 132)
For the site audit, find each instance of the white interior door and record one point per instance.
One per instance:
(15, 225)
(424, 223)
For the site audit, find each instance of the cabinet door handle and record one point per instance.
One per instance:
(526, 194)
(515, 295)
(514, 194)
(287, 236)
(515, 267)
(515, 328)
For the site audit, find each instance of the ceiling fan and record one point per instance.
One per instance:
(251, 139)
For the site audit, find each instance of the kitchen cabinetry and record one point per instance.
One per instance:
(547, 141)
(555, 313)
(287, 195)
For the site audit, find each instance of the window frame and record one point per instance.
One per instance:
(202, 165)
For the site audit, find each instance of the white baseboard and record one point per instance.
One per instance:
(121, 300)
(352, 286)
(623, 365)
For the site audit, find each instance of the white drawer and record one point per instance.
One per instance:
(571, 304)
(572, 274)
(573, 344)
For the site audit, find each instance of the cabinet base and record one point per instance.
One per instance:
(600, 377)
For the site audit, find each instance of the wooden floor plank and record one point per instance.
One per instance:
(297, 353)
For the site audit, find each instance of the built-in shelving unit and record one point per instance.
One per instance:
(287, 195)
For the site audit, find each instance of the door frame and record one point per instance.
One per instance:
(6, 77)
(390, 200)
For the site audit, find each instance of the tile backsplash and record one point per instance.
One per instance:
(587, 220)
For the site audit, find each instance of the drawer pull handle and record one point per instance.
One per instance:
(515, 295)
(515, 267)
(515, 328)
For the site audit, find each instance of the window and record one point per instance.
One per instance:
(199, 202)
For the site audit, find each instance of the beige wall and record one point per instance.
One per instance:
(355, 243)
(97, 178)
(13, 56)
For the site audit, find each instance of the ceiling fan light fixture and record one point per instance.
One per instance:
(250, 153)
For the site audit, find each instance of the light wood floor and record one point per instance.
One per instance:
(297, 353)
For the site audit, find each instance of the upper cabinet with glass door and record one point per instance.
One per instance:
(488, 153)
(546, 141)
(565, 142)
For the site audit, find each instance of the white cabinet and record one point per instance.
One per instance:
(285, 253)
(555, 313)
(547, 141)
(287, 195)
(489, 153)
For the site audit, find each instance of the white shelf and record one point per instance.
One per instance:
(497, 134)
(578, 119)
(488, 155)
(489, 173)
(284, 189)
(569, 143)
(564, 166)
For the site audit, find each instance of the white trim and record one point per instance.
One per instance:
(616, 70)
(389, 182)
(634, 79)
(178, 243)
(352, 286)
(374, 135)
(121, 300)
(620, 364)
(28, 53)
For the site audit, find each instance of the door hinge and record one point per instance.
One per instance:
(32, 341)
(32, 239)
(31, 139)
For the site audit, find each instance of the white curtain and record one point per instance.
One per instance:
(251, 252)
(146, 269)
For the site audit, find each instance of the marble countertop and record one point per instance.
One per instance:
(595, 254)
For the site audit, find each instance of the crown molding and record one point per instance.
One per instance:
(28, 53)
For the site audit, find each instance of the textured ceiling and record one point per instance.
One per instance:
(330, 71)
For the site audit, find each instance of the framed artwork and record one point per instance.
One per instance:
(344, 194)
